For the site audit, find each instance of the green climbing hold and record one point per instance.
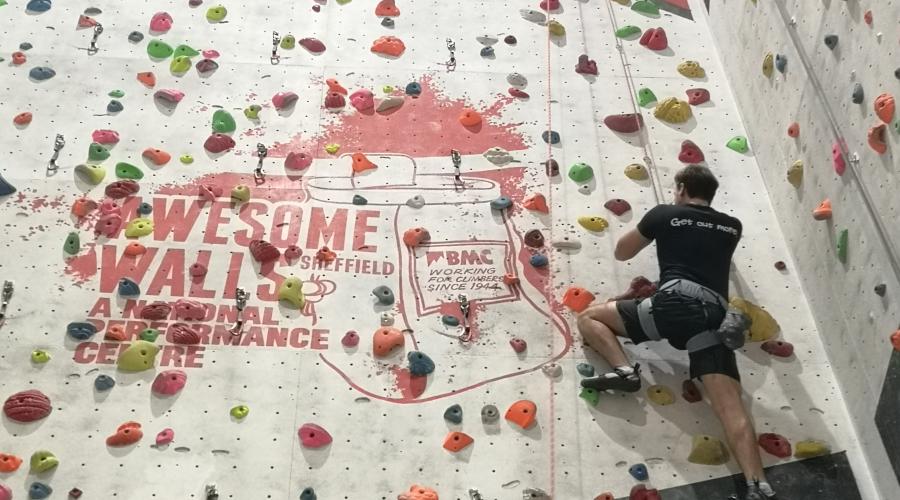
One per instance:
(159, 49)
(288, 42)
(186, 50)
(387, 89)
(180, 64)
(590, 395)
(343, 2)
(93, 174)
(73, 243)
(240, 411)
(217, 14)
(708, 450)
(96, 152)
(42, 461)
(581, 172)
(645, 7)
(128, 171)
(223, 122)
(842, 242)
(140, 355)
(149, 335)
(627, 31)
(117, 93)
(252, 111)
(138, 227)
(645, 96)
(738, 143)
(40, 356)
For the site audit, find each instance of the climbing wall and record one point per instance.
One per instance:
(336, 357)
(855, 320)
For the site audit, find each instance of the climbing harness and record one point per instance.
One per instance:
(451, 63)
(276, 39)
(5, 296)
(261, 152)
(240, 298)
(58, 144)
(98, 29)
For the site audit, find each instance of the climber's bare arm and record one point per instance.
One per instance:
(630, 245)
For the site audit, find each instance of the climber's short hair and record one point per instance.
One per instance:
(698, 182)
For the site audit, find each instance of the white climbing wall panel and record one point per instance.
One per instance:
(855, 323)
(289, 367)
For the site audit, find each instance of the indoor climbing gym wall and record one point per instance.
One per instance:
(335, 249)
(816, 82)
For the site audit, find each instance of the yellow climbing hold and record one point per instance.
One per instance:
(593, 223)
(811, 448)
(795, 173)
(673, 110)
(332, 148)
(138, 227)
(240, 193)
(768, 65)
(187, 159)
(708, 450)
(556, 29)
(93, 174)
(691, 69)
(660, 395)
(291, 291)
(636, 172)
(140, 355)
(764, 326)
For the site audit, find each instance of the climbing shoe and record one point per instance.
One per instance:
(753, 493)
(617, 380)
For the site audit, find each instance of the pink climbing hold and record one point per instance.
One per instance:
(518, 345)
(165, 437)
(169, 95)
(350, 339)
(122, 189)
(362, 100)
(211, 54)
(549, 5)
(156, 311)
(293, 252)
(263, 251)
(108, 225)
(655, 39)
(690, 153)
(190, 310)
(297, 160)
(780, 348)
(182, 334)
(169, 382)
(775, 444)
(697, 96)
(839, 165)
(284, 100)
(105, 136)
(86, 21)
(313, 436)
(197, 270)
(617, 206)
(627, 123)
(521, 94)
(586, 66)
(218, 143)
(210, 192)
(161, 22)
(313, 45)
(334, 101)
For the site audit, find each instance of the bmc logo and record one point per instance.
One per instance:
(463, 257)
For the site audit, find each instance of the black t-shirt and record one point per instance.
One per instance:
(693, 242)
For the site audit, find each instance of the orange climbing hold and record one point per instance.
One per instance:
(9, 463)
(884, 107)
(416, 236)
(389, 45)
(334, 86)
(387, 8)
(577, 298)
(22, 118)
(823, 211)
(157, 156)
(605, 496)
(794, 130)
(457, 441)
(536, 202)
(325, 255)
(417, 492)
(895, 340)
(361, 163)
(134, 249)
(522, 413)
(876, 138)
(385, 340)
(83, 206)
(469, 117)
(115, 333)
(127, 433)
(147, 78)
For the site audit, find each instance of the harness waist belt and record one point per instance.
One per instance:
(702, 340)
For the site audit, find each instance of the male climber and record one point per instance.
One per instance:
(694, 246)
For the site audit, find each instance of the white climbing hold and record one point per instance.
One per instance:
(517, 79)
(498, 156)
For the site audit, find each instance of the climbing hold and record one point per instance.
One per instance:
(690, 153)
(216, 14)
(308, 493)
(180, 65)
(775, 444)
(646, 96)
(138, 227)
(156, 311)
(39, 356)
(522, 413)
(617, 206)
(384, 340)
(841, 246)
(105, 137)
(780, 348)
(510, 40)
(252, 111)
(581, 172)
(518, 93)
(489, 414)
(884, 107)
(450, 320)
(419, 363)
(518, 345)
(212, 193)
(223, 122)
(169, 382)
(42, 461)
(263, 251)
(690, 392)
(362, 100)
(288, 42)
(454, 414)
(517, 79)
(556, 28)
(586, 65)
(858, 94)
(469, 118)
(533, 15)
(72, 244)
(159, 49)
(793, 130)
(645, 7)
(350, 339)
(387, 8)
(487, 52)
(147, 78)
(697, 96)
(384, 295)
(837, 159)
(457, 441)
(81, 207)
(591, 396)
(550, 136)
(18, 58)
(334, 101)
(593, 223)
(549, 5)
(127, 434)
(128, 171)
(182, 334)
(313, 436)
(627, 31)
(165, 437)
(498, 156)
(624, 123)
(823, 211)
(673, 110)
(115, 333)
(768, 65)
(292, 252)
(539, 260)
(81, 330)
(585, 369)
(27, 406)
(185, 51)
(9, 463)
(207, 66)
(780, 62)
(361, 163)
(128, 288)
(691, 69)
(104, 383)
(660, 395)
(325, 254)
(388, 45)
(108, 225)
(38, 490)
(387, 319)
(38, 6)
(135, 36)
(876, 138)
(708, 450)
(413, 89)
(389, 103)
(501, 203)
(139, 356)
(536, 202)
(161, 21)
(416, 201)
(218, 143)
(655, 39)
(534, 238)
(811, 448)
(22, 118)
(551, 168)
(283, 100)
(880, 289)
(359, 200)
(763, 325)
(291, 291)
(577, 298)
(297, 160)
(240, 412)
(416, 236)
(639, 472)
(417, 492)
(156, 156)
(738, 143)
(169, 96)
(831, 41)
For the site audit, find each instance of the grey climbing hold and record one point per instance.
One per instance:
(25, 46)
(114, 106)
(487, 39)
(532, 15)
(858, 94)
(145, 208)
(359, 200)
(104, 383)
(550, 136)
(487, 52)
(880, 289)
(517, 79)
(387, 22)
(454, 414)
(780, 62)
(38, 490)
(308, 494)
(897, 73)
(501, 203)
(585, 369)
(128, 288)
(41, 73)
(135, 36)
(831, 41)
(450, 320)
(92, 11)
(6, 188)
(419, 363)
(489, 414)
(552, 370)
(385, 295)
(416, 201)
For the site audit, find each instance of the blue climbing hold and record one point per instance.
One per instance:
(6, 188)
(419, 363)
(501, 203)
(550, 136)
(145, 208)
(359, 200)
(450, 320)
(25, 46)
(308, 494)
(454, 414)
(38, 6)
(858, 94)
(585, 369)
(128, 288)
(104, 383)
(413, 89)
(639, 472)
(114, 106)
(487, 52)
(40, 73)
(38, 491)
(539, 260)
(780, 62)
(81, 331)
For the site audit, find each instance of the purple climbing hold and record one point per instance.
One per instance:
(206, 66)
(586, 66)
(195, 3)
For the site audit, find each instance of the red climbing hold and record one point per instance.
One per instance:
(334, 86)
(655, 39)
(605, 496)
(416, 236)
(626, 123)
(313, 436)
(522, 413)
(350, 339)
(388, 45)
(577, 299)
(335, 101)
(697, 96)
(895, 340)
(292, 252)
(325, 254)
(779, 348)
(385, 340)
(640, 492)
(775, 444)
(518, 345)
(182, 334)
(457, 441)
(156, 311)
(387, 8)
(876, 138)
(22, 118)
(218, 143)
(297, 160)
(536, 202)
(313, 45)
(690, 392)
(521, 94)
(884, 107)
(190, 310)
(127, 433)
(469, 117)
(868, 17)
(585, 65)
(617, 206)
(122, 189)
(115, 333)
(147, 78)
(690, 153)
(361, 163)
(640, 288)
(549, 5)
(838, 159)
(27, 406)
(197, 270)
(9, 463)
(134, 249)
(81, 207)
(157, 156)
(510, 280)
(18, 58)
(794, 130)
(823, 211)
(263, 251)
